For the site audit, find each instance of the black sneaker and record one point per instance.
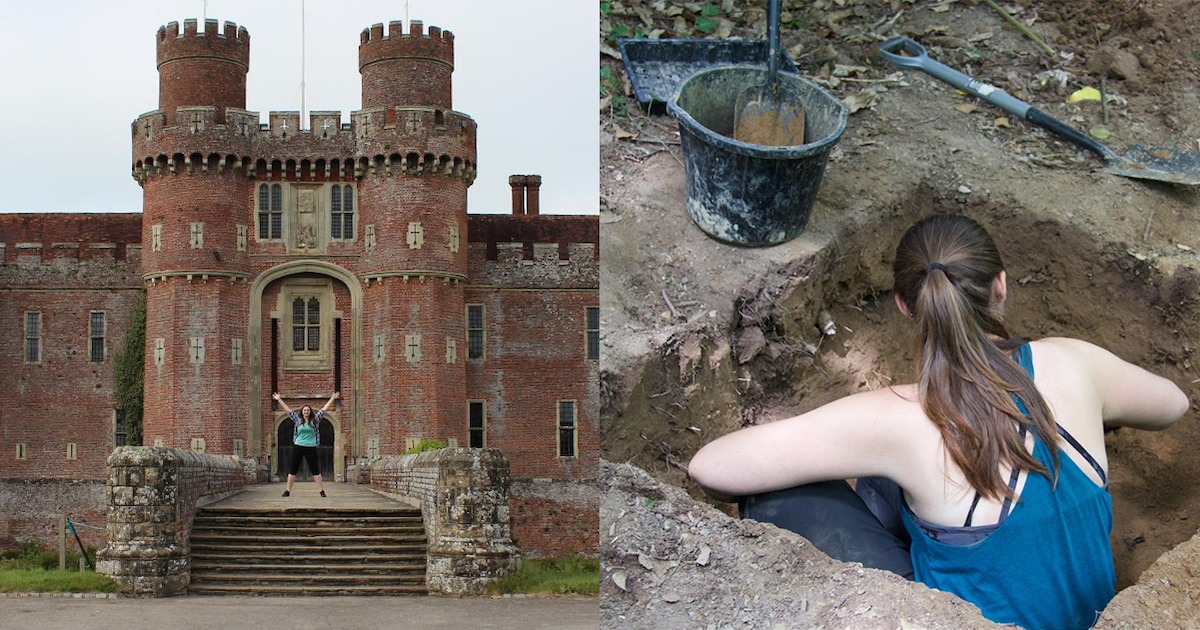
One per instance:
(322, 493)
(287, 493)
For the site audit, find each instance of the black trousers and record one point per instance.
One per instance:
(863, 526)
(308, 454)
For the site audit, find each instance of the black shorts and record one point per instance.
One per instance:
(307, 453)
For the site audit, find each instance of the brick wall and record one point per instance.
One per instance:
(553, 517)
(152, 497)
(463, 494)
(30, 510)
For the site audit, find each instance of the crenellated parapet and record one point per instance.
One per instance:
(48, 250)
(546, 251)
(410, 68)
(202, 68)
(377, 142)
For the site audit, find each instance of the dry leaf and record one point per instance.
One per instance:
(865, 99)
(966, 108)
(1085, 94)
(941, 8)
(1003, 122)
(621, 134)
(1099, 133)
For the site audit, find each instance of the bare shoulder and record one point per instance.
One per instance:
(1075, 353)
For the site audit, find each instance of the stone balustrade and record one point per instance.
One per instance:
(152, 496)
(463, 495)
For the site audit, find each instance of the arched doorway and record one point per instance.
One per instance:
(283, 450)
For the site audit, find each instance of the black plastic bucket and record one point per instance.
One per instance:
(750, 194)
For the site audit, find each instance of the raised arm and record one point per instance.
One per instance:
(335, 396)
(1131, 396)
(279, 398)
(856, 436)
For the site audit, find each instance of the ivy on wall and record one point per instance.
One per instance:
(130, 372)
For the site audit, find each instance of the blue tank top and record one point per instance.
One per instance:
(306, 435)
(1048, 565)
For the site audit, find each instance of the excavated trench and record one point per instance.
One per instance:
(770, 360)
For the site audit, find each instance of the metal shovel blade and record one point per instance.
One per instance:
(1158, 163)
(762, 118)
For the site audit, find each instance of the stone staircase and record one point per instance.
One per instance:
(308, 551)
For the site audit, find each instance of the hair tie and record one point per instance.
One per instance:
(933, 266)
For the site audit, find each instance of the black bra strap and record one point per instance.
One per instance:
(1086, 455)
(1012, 485)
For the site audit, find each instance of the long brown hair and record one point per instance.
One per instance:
(966, 380)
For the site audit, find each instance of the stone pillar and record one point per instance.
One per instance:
(152, 498)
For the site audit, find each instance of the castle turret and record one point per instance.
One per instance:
(406, 68)
(202, 69)
(191, 160)
(420, 162)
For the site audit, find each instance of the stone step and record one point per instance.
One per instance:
(208, 567)
(334, 512)
(306, 521)
(305, 590)
(239, 558)
(246, 549)
(205, 530)
(303, 579)
(305, 539)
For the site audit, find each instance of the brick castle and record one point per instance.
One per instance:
(305, 260)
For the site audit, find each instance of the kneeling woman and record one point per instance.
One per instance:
(987, 477)
(306, 437)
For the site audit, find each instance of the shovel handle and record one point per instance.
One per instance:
(917, 58)
(772, 42)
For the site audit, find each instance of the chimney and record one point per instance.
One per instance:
(518, 193)
(532, 184)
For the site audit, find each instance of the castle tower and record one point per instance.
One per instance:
(191, 166)
(202, 69)
(418, 162)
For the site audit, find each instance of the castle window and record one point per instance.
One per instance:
(451, 350)
(33, 337)
(412, 348)
(236, 351)
(477, 424)
(119, 434)
(369, 237)
(72, 450)
(566, 428)
(156, 237)
(96, 337)
(20, 450)
(454, 238)
(341, 212)
(239, 447)
(270, 211)
(593, 332)
(160, 352)
(197, 235)
(416, 235)
(475, 333)
(306, 324)
(159, 442)
(373, 448)
(198, 445)
(241, 238)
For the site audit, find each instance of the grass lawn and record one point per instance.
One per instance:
(41, 580)
(559, 576)
(32, 569)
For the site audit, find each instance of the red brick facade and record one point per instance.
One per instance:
(241, 224)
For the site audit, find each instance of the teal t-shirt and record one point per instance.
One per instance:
(306, 435)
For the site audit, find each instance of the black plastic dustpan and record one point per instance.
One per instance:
(656, 67)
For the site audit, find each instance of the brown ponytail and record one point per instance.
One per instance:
(966, 380)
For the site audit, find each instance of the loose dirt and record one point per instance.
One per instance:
(702, 338)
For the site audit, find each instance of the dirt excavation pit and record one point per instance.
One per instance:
(769, 360)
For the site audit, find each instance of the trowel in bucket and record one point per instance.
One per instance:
(761, 116)
(1157, 163)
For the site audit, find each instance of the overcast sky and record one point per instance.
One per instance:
(77, 73)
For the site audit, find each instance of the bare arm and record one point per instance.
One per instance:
(279, 398)
(335, 396)
(1131, 396)
(852, 437)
